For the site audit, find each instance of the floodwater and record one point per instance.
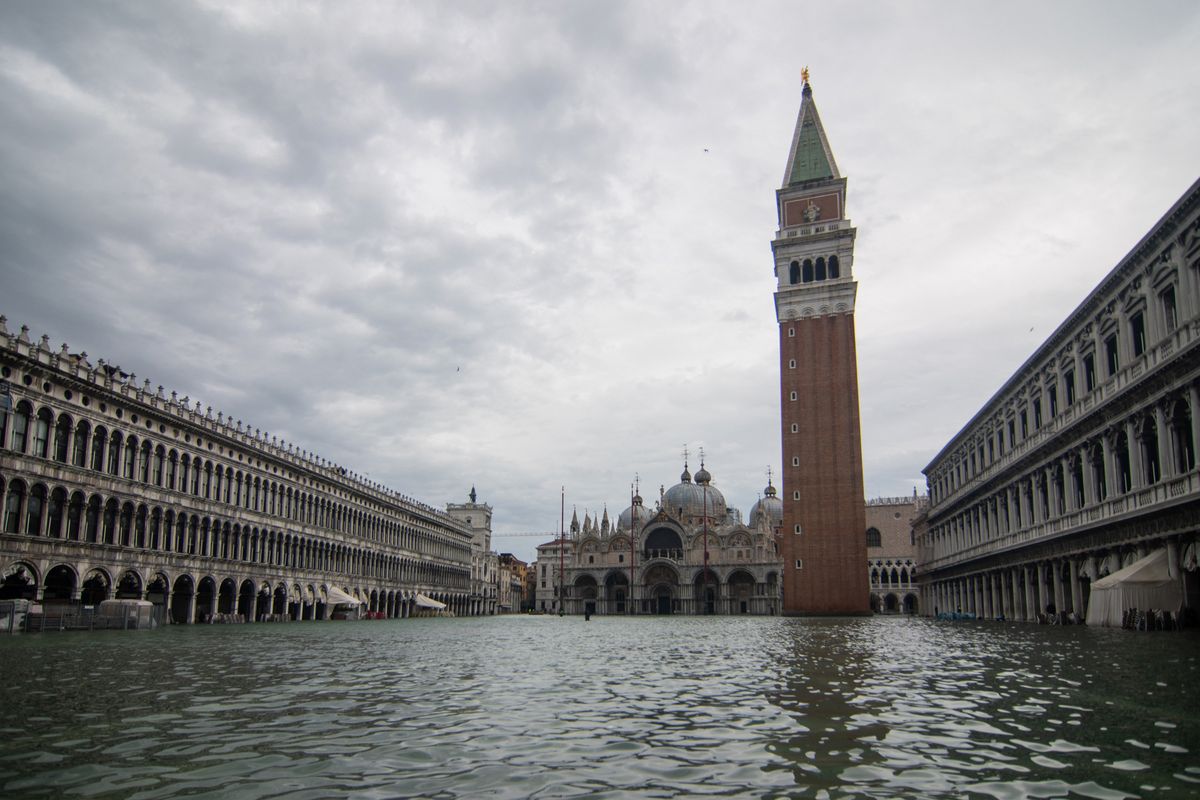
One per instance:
(515, 707)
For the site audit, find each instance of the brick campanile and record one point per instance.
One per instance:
(823, 534)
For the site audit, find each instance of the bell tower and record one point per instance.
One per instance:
(823, 533)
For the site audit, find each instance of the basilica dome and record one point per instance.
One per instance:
(626, 516)
(687, 500)
(771, 505)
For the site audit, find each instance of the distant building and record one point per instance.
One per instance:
(485, 573)
(510, 582)
(892, 552)
(552, 558)
(1084, 460)
(821, 543)
(691, 554)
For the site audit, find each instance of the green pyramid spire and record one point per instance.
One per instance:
(810, 158)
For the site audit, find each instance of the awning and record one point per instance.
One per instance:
(337, 596)
(428, 602)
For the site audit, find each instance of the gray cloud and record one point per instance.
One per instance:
(525, 245)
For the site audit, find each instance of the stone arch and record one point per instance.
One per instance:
(129, 586)
(60, 584)
(206, 599)
(661, 582)
(183, 590)
(20, 582)
(740, 590)
(96, 587)
(227, 597)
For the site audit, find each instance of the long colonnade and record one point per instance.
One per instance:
(1085, 460)
(112, 488)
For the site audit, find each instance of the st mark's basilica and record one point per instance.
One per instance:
(689, 552)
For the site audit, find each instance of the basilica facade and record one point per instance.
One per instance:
(689, 553)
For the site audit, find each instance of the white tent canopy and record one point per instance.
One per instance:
(428, 602)
(1144, 584)
(337, 596)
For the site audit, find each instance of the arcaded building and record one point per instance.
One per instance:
(116, 489)
(892, 552)
(822, 541)
(690, 553)
(1084, 461)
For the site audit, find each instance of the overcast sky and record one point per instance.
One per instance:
(527, 245)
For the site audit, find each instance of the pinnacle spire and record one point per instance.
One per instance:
(810, 157)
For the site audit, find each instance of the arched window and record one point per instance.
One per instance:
(62, 436)
(114, 453)
(20, 431)
(144, 464)
(874, 538)
(33, 510)
(185, 462)
(131, 451)
(794, 272)
(58, 505)
(172, 463)
(82, 431)
(834, 270)
(41, 433)
(159, 459)
(807, 271)
(821, 274)
(12, 507)
(98, 442)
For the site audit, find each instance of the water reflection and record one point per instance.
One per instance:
(550, 707)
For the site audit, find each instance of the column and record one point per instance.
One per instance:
(1089, 491)
(1194, 412)
(1030, 601)
(1077, 589)
(998, 595)
(1137, 479)
(1058, 586)
(1166, 459)
(1044, 596)
(1109, 469)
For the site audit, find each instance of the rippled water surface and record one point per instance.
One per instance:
(559, 707)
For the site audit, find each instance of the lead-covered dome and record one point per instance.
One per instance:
(771, 506)
(689, 500)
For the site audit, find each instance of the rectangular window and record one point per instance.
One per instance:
(799, 563)
(1037, 413)
(991, 450)
(1069, 385)
(1012, 434)
(1170, 319)
(798, 530)
(620, 558)
(793, 395)
(1024, 424)
(1110, 355)
(792, 364)
(1137, 332)
(791, 331)
(1089, 372)
(795, 428)
(1052, 395)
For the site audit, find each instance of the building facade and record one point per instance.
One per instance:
(892, 552)
(690, 554)
(1085, 460)
(822, 541)
(113, 489)
(485, 566)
